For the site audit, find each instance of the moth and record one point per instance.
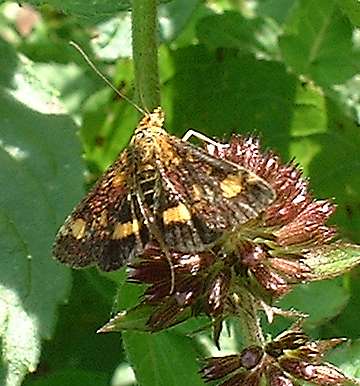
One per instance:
(164, 189)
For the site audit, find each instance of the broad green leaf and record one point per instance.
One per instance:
(114, 38)
(230, 93)
(320, 300)
(75, 339)
(107, 128)
(348, 95)
(114, 35)
(41, 180)
(73, 377)
(20, 337)
(188, 34)
(163, 359)
(128, 312)
(318, 43)
(347, 323)
(329, 157)
(347, 358)
(174, 16)
(232, 30)
(310, 115)
(277, 9)
(333, 170)
(96, 10)
(352, 10)
(73, 84)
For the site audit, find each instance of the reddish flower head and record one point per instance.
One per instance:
(264, 256)
(273, 248)
(289, 357)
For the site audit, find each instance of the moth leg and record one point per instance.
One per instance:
(193, 133)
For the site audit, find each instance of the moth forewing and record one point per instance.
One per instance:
(159, 189)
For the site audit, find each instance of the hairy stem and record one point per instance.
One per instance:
(249, 320)
(145, 54)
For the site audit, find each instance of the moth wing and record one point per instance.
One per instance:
(106, 228)
(203, 196)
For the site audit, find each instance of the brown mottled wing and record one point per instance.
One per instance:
(106, 228)
(202, 196)
(180, 196)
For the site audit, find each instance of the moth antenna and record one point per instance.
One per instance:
(103, 77)
(142, 101)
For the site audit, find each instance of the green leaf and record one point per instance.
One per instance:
(320, 300)
(330, 158)
(96, 10)
(162, 359)
(347, 358)
(310, 115)
(75, 339)
(333, 260)
(108, 124)
(173, 17)
(73, 377)
(188, 34)
(232, 30)
(72, 83)
(40, 171)
(352, 10)
(114, 38)
(332, 170)
(318, 43)
(277, 9)
(229, 93)
(114, 35)
(347, 323)
(20, 338)
(348, 96)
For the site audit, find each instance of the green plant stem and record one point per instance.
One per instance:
(249, 320)
(145, 53)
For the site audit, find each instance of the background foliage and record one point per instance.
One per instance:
(287, 70)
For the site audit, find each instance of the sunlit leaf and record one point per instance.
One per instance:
(318, 43)
(95, 10)
(40, 172)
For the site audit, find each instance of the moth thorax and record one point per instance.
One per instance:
(145, 142)
(156, 118)
(152, 120)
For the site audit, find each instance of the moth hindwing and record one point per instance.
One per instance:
(162, 189)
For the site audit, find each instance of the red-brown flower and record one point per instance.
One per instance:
(289, 357)
(264, 256)
(201, 283)
(272, 249)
